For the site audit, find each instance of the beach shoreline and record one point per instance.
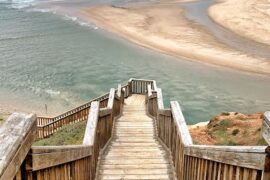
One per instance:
(147, 26)
(247, 18)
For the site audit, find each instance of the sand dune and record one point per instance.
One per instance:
(163, 27)
(248, 18)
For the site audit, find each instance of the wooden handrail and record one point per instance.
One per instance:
(16, 137)
(244, 156)
(91, 126)
(139, 86)
(149, 90)
(191, 162)
(75, 115)
(196, 162)
(87, 105)
(80, 114)
(111, 98)
(75, 110)
(180, 121)
(49, 156)
(119, 90)
(160, 99)
(97, 134)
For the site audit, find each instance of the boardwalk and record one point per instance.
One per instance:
(135, 152)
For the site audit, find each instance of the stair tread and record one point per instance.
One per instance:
(134, 151)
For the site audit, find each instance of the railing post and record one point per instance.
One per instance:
(111, 99)
(119, 90)
(91, 137)
(183, 138)
(90, 133)
(181, 123)
(119, 99)
(266, 136)
(130, 87)
(17, 135)
(159, 99)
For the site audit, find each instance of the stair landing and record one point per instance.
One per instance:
(134, 151)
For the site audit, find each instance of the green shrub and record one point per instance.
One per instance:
(235, 132)
(225, 123)
(225, 113)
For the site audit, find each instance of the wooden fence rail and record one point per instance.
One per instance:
(16, 137)
(196, 162)
(52, 125)
(78, 162)
(48, 126)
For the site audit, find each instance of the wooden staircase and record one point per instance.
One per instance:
(132, 147)
(134, 151)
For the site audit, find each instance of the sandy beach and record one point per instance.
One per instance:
(163, 27)
(248, 18)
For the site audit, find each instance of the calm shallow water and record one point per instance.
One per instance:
(198, 12)
(46, 59)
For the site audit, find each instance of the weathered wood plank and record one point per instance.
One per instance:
(119, 90)
(229, 155)
(149, 90)
(181, 123)
(104, 112)
(53, 149)
(160, 99)
(91, 126)
(16, 137)
(165, 112)
(60, 155)
(243, 149)
(111, 98)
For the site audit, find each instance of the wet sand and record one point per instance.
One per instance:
(163, 27)
(248, 18)
(4, 113)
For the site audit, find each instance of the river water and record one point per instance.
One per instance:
(197, 11)
(58, 61)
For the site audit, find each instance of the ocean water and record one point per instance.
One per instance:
(52, 59)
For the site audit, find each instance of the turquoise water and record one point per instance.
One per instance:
(46, 59)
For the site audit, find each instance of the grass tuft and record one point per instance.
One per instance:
(69, 134)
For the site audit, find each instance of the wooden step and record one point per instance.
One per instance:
(135, 155)
(134, 151)
(134, 171)
(136, 131)
(132, 161)
(135, 123)
(135, 140)
(135, 166)
(145, 135)
(136, 144)
(133, 177)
